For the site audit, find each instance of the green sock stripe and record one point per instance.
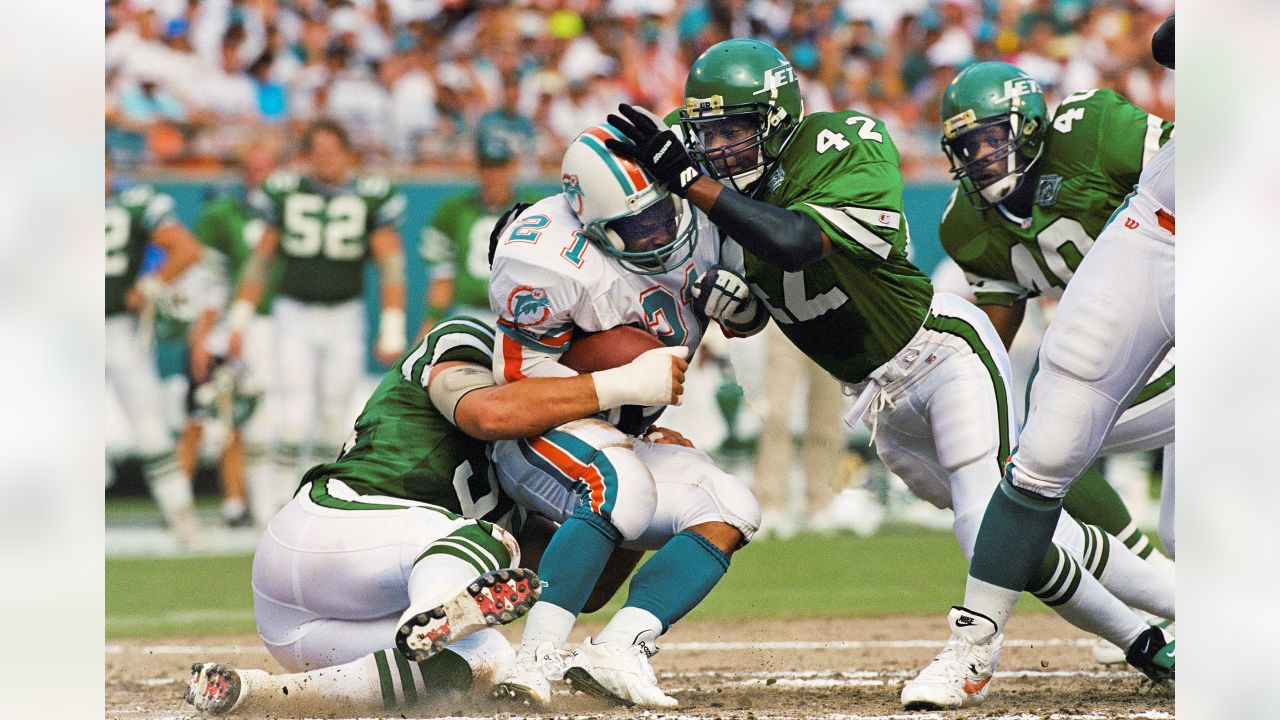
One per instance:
(1061, 577)
(439, 548)
(1049, 571)
(482, 558)
(1090, 545)
(966, 332)
(1066, 586)
(384, 679)
(1104, 547)
(1026, 500)
(444, 673)
(481, 536)
(406, 680)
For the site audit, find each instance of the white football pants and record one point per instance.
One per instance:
(319, 358)
(1114, 326)
(135, 415)
(648, 491)
(330, 583)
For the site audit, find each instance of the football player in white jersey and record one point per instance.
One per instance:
(613, 249)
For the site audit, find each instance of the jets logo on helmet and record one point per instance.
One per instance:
(994, 120)
(622, 211)
(742, 105)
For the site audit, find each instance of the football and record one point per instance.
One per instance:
(607, 349)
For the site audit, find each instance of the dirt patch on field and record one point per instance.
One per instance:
(754, 670)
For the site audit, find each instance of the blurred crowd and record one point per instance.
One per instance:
(190, 81)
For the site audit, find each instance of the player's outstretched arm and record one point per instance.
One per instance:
(253, 283)
(788, 239)
(468, 397)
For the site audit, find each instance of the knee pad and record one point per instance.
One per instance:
(965, 422)
(1044, 463)
(728, 500)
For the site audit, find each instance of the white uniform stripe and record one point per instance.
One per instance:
(1151, 143)
(451, 542)
(493, 560)
(872, 216)
(406, 368)
(853, 229)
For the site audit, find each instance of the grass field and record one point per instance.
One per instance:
(899, 571)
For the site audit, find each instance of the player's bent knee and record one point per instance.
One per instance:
(1042, 453)
(728, 500)
(622, 491)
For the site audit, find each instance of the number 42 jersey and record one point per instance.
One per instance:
(549, 281)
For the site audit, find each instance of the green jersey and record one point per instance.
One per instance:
(456, 245)
(858, 307)
(132, 217)
(1093, 152)
(230, 228)
(405, 448)
(324, 231)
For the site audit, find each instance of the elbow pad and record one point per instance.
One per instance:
(449, 387)
(788, 239)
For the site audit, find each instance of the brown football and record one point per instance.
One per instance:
(607, 349)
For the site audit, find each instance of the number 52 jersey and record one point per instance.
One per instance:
(550, 281)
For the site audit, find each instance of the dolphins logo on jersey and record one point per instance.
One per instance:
(573, 189)
(528, 306)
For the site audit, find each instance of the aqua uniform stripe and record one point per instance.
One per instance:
(554, 342)
(384, 679)
(628, 187)
(966, 332)
(598, 463)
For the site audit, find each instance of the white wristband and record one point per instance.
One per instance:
(391, 331)
(644, 381)
(239, 315)
(150, 287)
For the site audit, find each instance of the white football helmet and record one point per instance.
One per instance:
(603, 188)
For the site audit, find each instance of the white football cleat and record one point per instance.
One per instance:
(494, 598)
(959, 676)
(535, 668)
(617, 672)
(216, 689)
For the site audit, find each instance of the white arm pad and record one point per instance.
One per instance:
(448, 388)
(645, 381)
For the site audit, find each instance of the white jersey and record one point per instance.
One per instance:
(549, 281)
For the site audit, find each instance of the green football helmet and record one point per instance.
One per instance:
(742, 104)
(994, 121)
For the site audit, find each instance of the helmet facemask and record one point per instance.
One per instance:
(658, 238)
(738, 145)
(992, 157)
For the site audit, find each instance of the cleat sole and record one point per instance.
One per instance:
(495, 598)
(580, 680)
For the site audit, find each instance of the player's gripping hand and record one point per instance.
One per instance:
(723, 295)
(656, 149)
(655, 377)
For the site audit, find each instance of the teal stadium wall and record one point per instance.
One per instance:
(924, 204)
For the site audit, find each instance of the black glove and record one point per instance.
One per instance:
(659, 152)
(1162, 43)
(500, 227)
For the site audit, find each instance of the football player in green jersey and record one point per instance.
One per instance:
(1114, 326)
(404, 539)
(229, 403)
(813, 205)
(135, 218)
(323, 226)
(456, 245)
(1038, 189)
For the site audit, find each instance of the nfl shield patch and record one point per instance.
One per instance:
(1047, 190)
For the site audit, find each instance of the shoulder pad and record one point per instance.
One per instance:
(372, 186)
(282, 182)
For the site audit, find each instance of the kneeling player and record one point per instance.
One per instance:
(613, 249)
(400, 542)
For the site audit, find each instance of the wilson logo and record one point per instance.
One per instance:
(1131, 224)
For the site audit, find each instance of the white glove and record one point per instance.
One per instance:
(724, 295)
(656, 377)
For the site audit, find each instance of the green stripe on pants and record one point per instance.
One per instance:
(967, 333)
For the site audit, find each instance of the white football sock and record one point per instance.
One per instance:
(547, 622)
(630, 625)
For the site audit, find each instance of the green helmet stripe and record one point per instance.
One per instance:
(607, 157)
